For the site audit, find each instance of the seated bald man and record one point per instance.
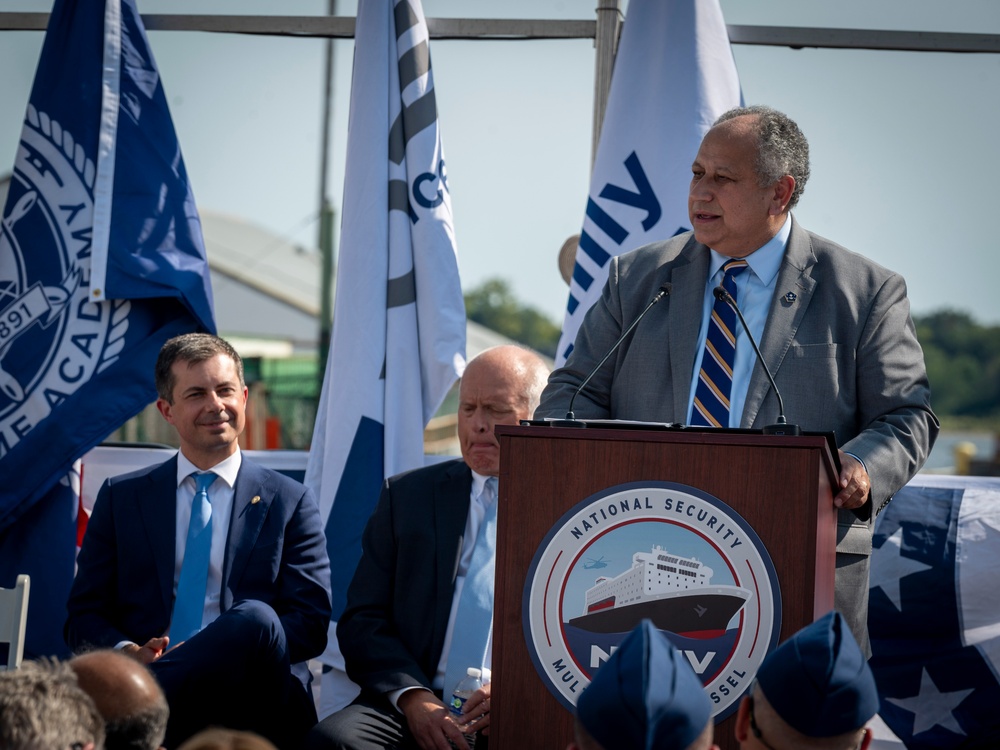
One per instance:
(645, 697)
(419, 608)
(814, 692)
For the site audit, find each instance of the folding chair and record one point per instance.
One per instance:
(13, 616)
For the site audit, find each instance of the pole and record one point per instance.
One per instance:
(606, 44)
(326, 215)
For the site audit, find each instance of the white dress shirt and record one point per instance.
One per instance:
(220, 494)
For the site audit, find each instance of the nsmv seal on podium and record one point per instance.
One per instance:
(661, 551)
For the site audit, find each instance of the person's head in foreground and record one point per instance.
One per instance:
(226, 739)
(645, 697)
(42, 707)
(814, 691)
(127, 695)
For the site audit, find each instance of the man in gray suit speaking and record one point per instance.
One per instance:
(834, 327)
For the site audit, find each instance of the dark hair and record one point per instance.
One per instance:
(781, 147)
(143, 730)
(192, 348)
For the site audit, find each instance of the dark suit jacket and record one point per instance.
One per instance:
(842, 350)
(275, 553)
(392, 630)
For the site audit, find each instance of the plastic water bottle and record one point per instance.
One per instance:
(462, 692)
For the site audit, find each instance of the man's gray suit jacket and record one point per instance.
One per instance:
(838, 339)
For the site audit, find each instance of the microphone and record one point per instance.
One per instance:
(781, 427)
(663, 291)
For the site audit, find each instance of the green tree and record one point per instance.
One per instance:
(963, 364)
(493, 304)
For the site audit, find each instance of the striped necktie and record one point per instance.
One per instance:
(715, 378)
(189, 606)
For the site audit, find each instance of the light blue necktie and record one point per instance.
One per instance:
(715, 378)
(189, 606)
(474, 619)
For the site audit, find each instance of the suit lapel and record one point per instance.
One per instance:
(784, 317)
(252, 498)
(157, 508)
(451, 511)
(686, 299)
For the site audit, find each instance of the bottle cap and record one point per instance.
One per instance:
(474, 672)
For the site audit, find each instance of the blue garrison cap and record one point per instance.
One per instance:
(819, 681)
(645, 697)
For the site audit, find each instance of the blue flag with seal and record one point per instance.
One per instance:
(934, 613)
(101, 261)
(674, 74)
(399, 319)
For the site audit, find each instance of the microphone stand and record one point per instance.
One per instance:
(781, 427)
(571, 420)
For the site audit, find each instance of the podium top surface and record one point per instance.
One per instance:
(614, 429)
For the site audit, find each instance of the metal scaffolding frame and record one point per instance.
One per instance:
(604, 29)
(342, 27)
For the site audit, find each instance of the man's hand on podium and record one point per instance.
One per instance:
(855, 483)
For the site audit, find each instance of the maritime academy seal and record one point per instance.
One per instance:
(45, 252)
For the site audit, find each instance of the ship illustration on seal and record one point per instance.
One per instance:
(675, 592)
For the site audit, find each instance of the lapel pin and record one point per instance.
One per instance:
(255, 500)
(790, 297)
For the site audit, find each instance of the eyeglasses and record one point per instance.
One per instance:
(758, 735)
(753, 726)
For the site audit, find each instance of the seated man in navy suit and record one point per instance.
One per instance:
(209, 568)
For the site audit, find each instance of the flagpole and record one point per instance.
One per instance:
(326, 215)
(606, 45)
(673, 73)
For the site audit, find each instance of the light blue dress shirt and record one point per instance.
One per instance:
(754, 290)
(477, 511)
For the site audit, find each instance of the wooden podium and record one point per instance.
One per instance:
(780, 485)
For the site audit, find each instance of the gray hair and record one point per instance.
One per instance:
(782, 149)
(42, 706)
(523, 366)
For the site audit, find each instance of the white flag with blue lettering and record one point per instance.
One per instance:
(399, 319)
(674, 75)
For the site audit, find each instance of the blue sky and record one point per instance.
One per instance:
(904, 147)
